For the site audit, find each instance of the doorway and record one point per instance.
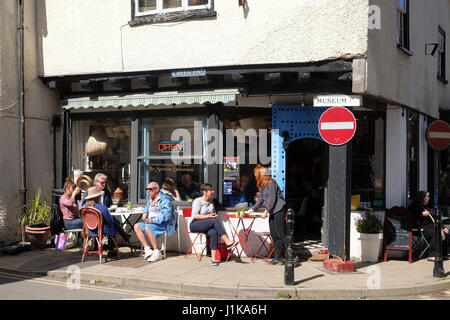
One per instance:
(306, 161)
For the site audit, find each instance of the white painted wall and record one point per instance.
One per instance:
(409, 80)
(395, 157)
(423, 154)
(40, 104)
(96, 38)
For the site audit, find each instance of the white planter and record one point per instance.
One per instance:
(370, 246)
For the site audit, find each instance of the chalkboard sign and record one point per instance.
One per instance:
(398, 231)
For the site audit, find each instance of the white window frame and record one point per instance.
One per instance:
(160, 10)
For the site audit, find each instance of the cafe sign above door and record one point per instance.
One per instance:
(337, 100)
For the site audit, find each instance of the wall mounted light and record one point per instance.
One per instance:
(431, 49)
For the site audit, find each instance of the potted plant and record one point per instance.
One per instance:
(36, 220)
(371, 236)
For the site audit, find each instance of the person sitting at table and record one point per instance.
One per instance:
(68, 206)
(100, 184)
(169, 188)
(189, 190)
(110, 225)
(204, 220)
(424, 217)
(271, 198)
(158, 218)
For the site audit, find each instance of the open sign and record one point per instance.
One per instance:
(171, 146)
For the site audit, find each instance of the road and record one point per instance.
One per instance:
(15, 286)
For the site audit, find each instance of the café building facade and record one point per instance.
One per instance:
(173, 76)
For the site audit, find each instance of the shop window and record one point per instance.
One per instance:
(441, 54)
(170, 148)
(104, 146)
(368, 161)
(403, 24)
(245, 145)
(413, 148)
(153, 11)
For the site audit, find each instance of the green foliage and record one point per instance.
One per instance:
(369, 223)
(38, 212)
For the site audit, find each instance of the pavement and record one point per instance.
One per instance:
(235, 279)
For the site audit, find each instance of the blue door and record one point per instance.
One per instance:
(300, 122)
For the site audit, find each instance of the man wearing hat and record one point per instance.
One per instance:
(100, 184)
(158, 218)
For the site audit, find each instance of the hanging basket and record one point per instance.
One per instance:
(97, 143)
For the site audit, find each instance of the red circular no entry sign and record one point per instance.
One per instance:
(337, 125)
(438, 135)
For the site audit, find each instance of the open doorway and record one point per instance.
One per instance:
(305, 160)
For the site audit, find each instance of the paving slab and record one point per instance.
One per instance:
(236, 279)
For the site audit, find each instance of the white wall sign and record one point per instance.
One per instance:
(339, 100)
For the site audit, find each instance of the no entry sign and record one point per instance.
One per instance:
(438, 135)
(337, 126)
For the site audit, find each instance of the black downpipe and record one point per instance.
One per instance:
(23, 188)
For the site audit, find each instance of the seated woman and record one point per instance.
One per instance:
(169, 187)
(424, 217)
(110, 225)
(68, 206)
(204, 220)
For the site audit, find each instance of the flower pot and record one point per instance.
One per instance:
(38, 235)
(370, 246)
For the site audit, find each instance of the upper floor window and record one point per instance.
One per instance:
(403, 24)
(147, 7)
(441, 54)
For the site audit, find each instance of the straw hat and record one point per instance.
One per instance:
(93, 193)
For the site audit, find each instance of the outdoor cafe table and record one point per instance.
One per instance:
(242, 239)
(125, 215)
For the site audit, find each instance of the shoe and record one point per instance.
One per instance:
(431, 259)
(155, 256)
(231, 246)
(112, 254)
(148, 253)
(275, 262)
(215, 263)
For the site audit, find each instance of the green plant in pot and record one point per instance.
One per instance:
(368, 223)
(370, 228)
(36, 220)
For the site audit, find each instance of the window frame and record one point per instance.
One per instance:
(139, 155)
(441, 55)
(160, 11)
(403, 26)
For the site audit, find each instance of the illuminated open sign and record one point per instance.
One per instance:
(171, 146)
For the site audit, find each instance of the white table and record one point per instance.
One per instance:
(127, 214)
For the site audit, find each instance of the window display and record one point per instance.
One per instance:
(103, 146)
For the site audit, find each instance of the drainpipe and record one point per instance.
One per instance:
(23, 188)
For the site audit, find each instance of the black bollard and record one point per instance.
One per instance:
(438, 271)
(289, 264)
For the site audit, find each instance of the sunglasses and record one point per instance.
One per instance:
(154, 188)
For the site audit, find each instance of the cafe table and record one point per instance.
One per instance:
(246, 222)
(126, 215)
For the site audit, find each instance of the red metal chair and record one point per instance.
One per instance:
(264, 237)
(187, 214)
(93, 220)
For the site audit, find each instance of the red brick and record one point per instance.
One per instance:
(338, 266)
